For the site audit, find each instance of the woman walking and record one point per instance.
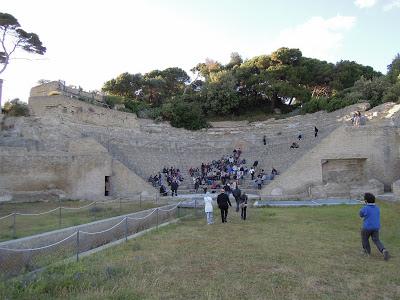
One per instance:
(208, 208)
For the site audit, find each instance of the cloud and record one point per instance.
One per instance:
(318, 37)
(391, 5)
(365, 3)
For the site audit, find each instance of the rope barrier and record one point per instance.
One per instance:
(142, 218)
(166, 210)
(76, 208)
(105, 230)
(37, 214)
(83, 232)
(39, 248)
(6, 216)
(57, 208)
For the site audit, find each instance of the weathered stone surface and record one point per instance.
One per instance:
(71, 146)
(396, 189)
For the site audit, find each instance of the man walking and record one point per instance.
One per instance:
(243, 206)
(223, 202)
(237, 193)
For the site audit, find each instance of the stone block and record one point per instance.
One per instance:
(396, 189)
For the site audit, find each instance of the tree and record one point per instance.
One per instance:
(13, 37)
(394, 69)
(16, 108)
(236, 60)
(125, 85)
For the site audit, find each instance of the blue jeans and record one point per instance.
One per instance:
(210, 219)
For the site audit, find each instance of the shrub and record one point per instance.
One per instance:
(187, 115)
(111, 100)
(16, 108)
(327, 104)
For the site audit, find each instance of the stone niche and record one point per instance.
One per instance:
(343, 171)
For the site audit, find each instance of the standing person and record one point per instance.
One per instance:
(252, 171)
(223, 202)
(243, 206)
(259, 182)
(174, 188)
(371, 225)
(315, 131)
(208, 208)
(265, 140)
(237, 193)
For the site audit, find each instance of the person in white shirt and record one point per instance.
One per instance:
(208, 208)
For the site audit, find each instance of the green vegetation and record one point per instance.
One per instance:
(16, 108)
(278, 253)
(29, 225)
(284, 79)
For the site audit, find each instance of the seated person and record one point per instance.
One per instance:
(163, 191)
(215, 185)
(294, 145)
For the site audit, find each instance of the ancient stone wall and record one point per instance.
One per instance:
(68, 109)
(376, 144)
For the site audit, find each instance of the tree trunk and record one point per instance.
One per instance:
(273, 101)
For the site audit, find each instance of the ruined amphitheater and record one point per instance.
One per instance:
(69, 147)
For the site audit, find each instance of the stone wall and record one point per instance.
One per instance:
(55, 87)
(77, 174)
(68, 109)
(378, 145)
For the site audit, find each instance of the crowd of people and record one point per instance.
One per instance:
(169, 177)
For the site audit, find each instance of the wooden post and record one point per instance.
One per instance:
(157, 217)
(59, 217)
(77, 245)
(126, 229)
(14, 235)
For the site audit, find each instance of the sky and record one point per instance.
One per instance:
(91, 42)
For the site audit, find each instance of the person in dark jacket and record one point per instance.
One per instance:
(237, 193)
(371, 225)
(243, 206)
(174, 188)
(223, 202)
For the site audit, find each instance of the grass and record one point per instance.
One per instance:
(28, 225)
(278, 253)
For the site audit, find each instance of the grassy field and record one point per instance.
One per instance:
(28, 225)
(278, 253)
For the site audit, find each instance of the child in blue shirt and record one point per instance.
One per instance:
(371, 225)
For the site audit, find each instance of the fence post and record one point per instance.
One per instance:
(140, 200)
(14, 225)
(179, 211)
(157, 217)
(195, 207)
(120, 205)
(77, 245)
(126, 229)
(59, 217)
